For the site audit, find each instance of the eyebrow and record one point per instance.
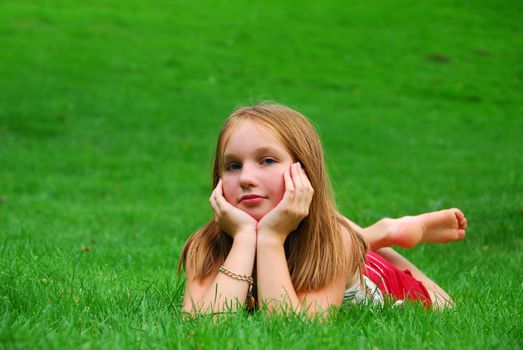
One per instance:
(262, 150)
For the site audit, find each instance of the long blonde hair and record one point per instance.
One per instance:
(315, 251)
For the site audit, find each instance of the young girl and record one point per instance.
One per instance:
(277, 233)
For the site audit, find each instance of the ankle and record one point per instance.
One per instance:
(405, 232)
(386, 229)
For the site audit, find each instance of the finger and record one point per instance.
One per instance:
(306, 192)
(302, 195)
(219, 188)
(214, 205)
(307, 183)
(220, 198)
(218, 195)
(288, 196)
(213, 194)
(296, 176)
(305, 178)
(221, 201)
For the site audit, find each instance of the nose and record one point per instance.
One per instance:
(248, 175)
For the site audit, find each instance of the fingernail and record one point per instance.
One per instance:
(298, 165)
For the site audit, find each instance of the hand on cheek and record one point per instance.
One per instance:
(231, 219)
(292, 209)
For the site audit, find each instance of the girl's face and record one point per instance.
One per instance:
(254, 162)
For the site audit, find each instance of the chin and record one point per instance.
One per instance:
(255, 215)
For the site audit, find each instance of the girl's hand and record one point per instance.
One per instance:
(292, 209)
(231, 219)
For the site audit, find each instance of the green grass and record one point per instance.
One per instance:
(108, 116)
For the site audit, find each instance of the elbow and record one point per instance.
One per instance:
(188, 309)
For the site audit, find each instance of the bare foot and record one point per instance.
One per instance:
(434, 227)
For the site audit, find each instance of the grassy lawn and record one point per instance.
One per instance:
(109, 112)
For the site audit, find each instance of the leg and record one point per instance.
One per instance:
(441, 226)
(439, 297)
(434, 227)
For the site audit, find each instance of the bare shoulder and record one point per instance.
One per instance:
(347, 239)
(193, 273)
(345, 236)
(195, 288)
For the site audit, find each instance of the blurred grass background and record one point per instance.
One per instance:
(109, 112)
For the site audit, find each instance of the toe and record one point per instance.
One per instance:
(463, 223)
(462, 220)
(458, 213)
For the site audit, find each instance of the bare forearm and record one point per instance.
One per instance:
(226, 293)
(275, 289)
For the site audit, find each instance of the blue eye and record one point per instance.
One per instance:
(233, 166)
(268, 161)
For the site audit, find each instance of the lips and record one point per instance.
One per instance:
(251, 199)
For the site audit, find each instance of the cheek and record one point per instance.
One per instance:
(277, 183)
(229, 189)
